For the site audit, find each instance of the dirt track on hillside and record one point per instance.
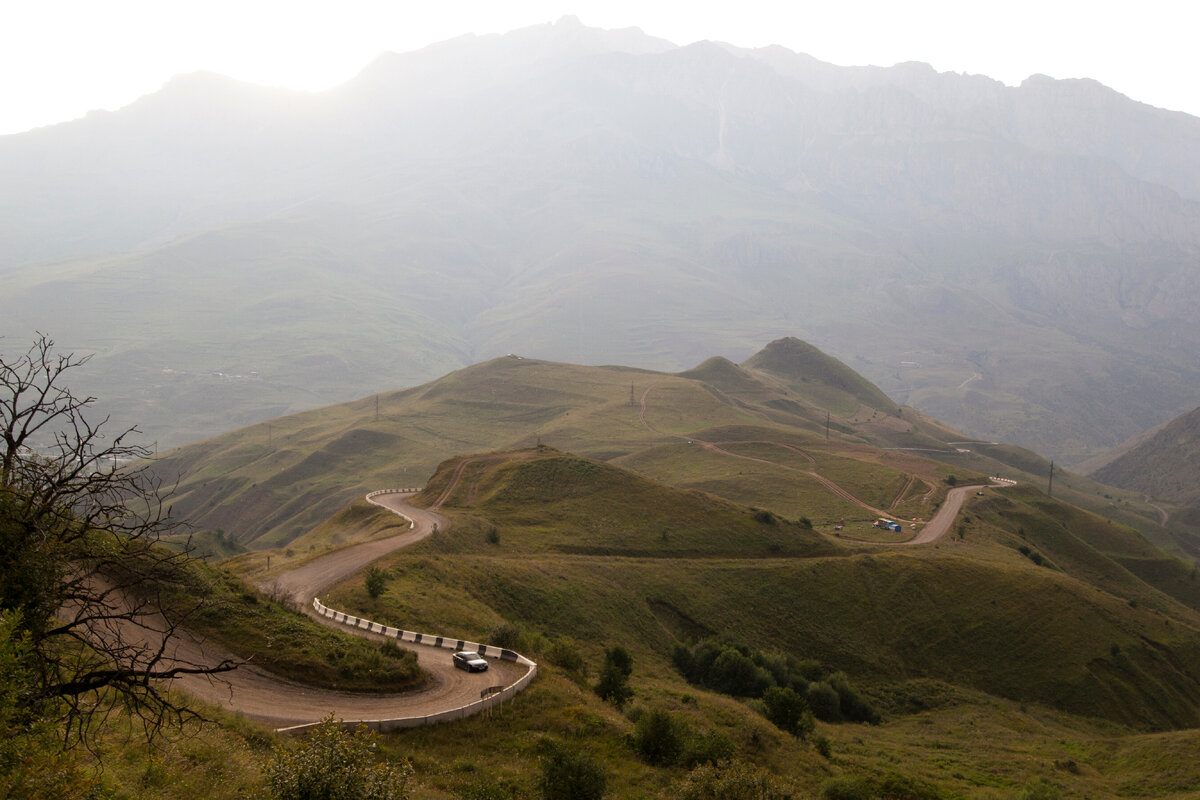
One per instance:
(936, 528)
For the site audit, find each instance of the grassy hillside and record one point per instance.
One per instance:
(267, 484)
(765, 438)
(1165, 465)
(1079, 631)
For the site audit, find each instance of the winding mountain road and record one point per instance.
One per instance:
(265, 697)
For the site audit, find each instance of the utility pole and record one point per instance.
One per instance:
(377, 408)
(631, 401)
(1050, 488)
(827, 426)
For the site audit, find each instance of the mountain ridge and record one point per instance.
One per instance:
(684, 201)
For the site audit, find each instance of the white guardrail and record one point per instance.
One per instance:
(372, 495)
(490, 698)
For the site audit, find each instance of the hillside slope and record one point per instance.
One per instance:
(771, 436)
(266, 484)
(1165, 465)
(565, 546)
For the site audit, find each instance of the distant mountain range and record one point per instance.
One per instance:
(1017, 262)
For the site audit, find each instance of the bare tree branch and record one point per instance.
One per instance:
(103, 603)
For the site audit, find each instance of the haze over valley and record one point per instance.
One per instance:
(1018, 262)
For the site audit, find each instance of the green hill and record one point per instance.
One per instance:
(769, 437)
(1166, 465)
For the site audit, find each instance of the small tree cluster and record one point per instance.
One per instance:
(788, 689)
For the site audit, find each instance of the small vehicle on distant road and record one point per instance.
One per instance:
(470, 661)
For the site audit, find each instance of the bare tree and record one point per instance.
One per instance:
(101, 602)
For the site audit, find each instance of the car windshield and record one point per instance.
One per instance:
(468, 655)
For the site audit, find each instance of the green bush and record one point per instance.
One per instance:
(564, 653)
(376, 582)
(658, 738)
(891, 786)
(710, 747)
(734, 674)
(507, 635)
(613, 685)
(824, 702)
(788, 711)
(733, 781)
(570, 775)
(333, 763)
(853, 708)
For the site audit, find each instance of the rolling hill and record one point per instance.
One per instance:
(770, 431)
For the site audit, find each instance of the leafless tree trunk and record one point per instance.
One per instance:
(102, 603)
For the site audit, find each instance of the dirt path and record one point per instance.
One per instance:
(936, 528)
(712, 447)
(304, 583)
(1163, 516)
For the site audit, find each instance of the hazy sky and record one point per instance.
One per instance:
(61, 58)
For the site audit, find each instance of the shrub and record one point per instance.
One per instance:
(336, 764)
(733, 781)
(851, 705)
(824, 701)
(847, 788)
(570, 775)
(507, 635)
(822, 745)
(682, 657)
(564, 653)
(892, 786)
(788, 711)
(613, 685)
(711, 747)
(658, 737)
(376, 582)
(734, 674)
